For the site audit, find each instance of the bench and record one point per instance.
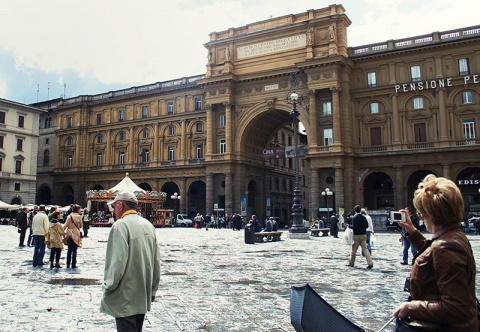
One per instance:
(316, 231)
(270, 236)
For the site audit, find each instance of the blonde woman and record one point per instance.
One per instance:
(442, 278)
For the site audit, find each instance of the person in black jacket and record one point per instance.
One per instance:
(359, 226)
(22, 225)
(406, 244)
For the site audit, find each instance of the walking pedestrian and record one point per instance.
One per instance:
(30, 216)
(40, 227)
(359, 226)
(132, 265)
(406, 243)
(370, 229)
(334, 225)
(55, 240)
(85, 222)
(22, 224)
(74, 240)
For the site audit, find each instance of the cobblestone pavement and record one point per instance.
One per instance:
(210, 281)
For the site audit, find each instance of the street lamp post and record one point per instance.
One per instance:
(298, 226)
(176, 198)
(327, 192)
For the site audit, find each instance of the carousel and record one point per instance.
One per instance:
(148, 203)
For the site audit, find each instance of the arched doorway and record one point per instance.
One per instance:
(378, 192)
(197, 198)
(412, 184)
(44, 195)
(67, 195)
(468, 181)
(171, 188)
(145, 186)
(17, 200)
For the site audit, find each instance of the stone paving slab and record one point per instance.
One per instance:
(210, 281)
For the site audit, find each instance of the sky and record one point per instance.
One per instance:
(63, 48)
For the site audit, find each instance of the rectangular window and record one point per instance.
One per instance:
(2, 117)
(223, 146)
(199, 127)
(145, 133)
(467, 97)
(469, 128)
(327, 136)
(376, 136)
(171, 153)
(171, 130)
(99, 119)
(69, 161)
(1, 141)
(21, 121)
(19, 144)
(99, 139)
(463, 67)
(99, 159)
(199, 151)
(372, 80)
(418, 102)
(222, 120)
(170, 108)
(198, 103)
(373, 108)
(122, 136)
(145, 155)
(69, 122)
(420, 132)
(144, 112)
(327, 108)
(18, 166)
(121, 158)
(121, 115)
(47, 140)
(17, 186)
(415, 72)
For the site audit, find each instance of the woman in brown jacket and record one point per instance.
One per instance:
(442, 279)
(55, 240)
(72, 227)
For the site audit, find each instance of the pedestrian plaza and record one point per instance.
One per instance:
(210, 281)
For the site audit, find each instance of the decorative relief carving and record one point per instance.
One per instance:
(259, 88)
(315, 76)
(327, 74)
(271, 103)
(212, 92)
(248, 89)
(284, 84)
(222, 91)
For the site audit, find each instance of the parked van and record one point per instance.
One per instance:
(183, 220)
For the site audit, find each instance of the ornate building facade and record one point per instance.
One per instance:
(377, 119)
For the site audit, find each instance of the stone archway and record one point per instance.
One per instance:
(378, 192)
(44, 195)
(171, 188)
(412, 184)
(67, 195)
(197, 198)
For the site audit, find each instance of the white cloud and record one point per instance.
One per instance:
(144, 41)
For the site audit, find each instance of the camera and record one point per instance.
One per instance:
(397, 216)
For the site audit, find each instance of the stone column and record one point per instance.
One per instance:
(182, 139)
(314, 194)
(337, 117)
(443, 116)
(446, 171)
(399, 192)
(108, 150)
(395, 120)
(209, 189)
(339, 189)
(131, 147)
(184, 196)
(210, 146)
(228, 128)
(313, 138)
(228, 194)
(156, 157)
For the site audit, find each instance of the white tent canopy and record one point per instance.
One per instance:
(126, 184)
(6, 206)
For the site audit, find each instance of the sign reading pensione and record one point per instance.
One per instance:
(271, 46)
